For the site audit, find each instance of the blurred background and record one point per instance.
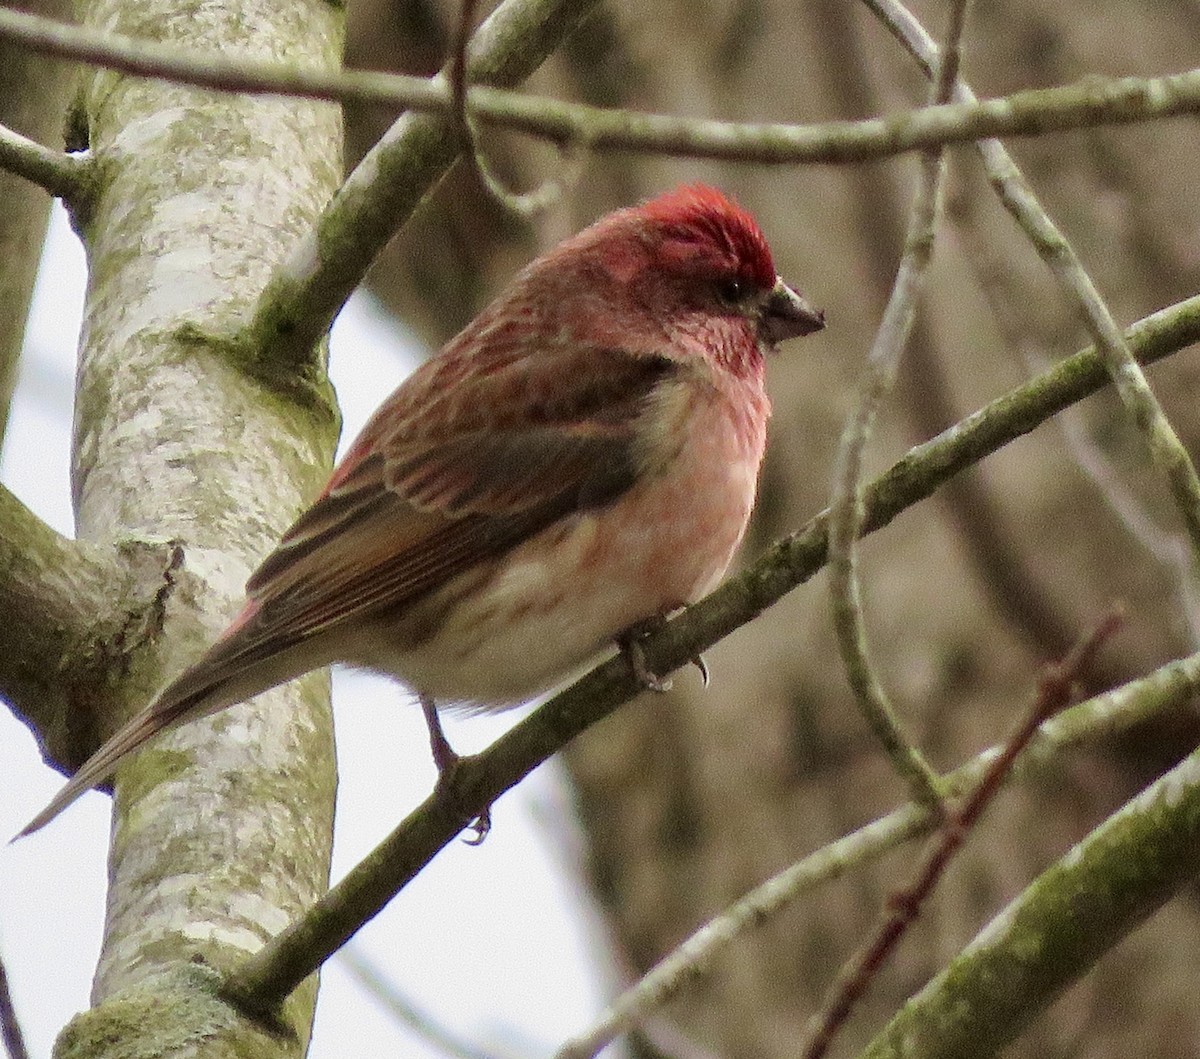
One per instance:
(661, 816)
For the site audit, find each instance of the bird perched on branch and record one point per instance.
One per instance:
(581, 459)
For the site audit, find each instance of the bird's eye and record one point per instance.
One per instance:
(733, 290)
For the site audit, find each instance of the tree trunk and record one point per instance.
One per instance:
(186, 470)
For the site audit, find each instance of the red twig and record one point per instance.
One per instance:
(1056, 688)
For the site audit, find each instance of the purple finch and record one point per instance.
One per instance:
(582, 458)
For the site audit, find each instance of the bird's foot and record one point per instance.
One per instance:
(447, 759)
(630, 644)
(479, 828)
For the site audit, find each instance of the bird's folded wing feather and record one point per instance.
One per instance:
(427, 499)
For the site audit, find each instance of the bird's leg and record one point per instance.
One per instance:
(446, 759)
(443, 753)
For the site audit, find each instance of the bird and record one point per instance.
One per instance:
(580, 460)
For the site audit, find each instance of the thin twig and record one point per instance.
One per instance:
(268, 976)
(523, 204)
(61, 174)
(458, 78)
(1098, 718)
(1086, 103)
(407, 1013)
(845, 504)
(472, 151)
(10, 1027)
(1166, 451)
(1054, 693)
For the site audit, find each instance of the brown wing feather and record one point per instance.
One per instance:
(418, 508)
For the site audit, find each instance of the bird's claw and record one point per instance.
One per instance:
(635, 654)
(630, 644)
(480, 827)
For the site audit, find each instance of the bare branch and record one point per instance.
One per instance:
(1167, 548)
(215, 70)
(1051, 936)
(33, 96)
(63, 175)
(1090, 102)
(1054, 693)
(1167, 452)
(526, 204)
(845, 506)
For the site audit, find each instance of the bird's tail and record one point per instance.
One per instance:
(180, 700)
(240, 665)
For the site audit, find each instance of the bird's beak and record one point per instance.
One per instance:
(787, 315)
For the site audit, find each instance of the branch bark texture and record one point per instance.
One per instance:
(176, 448)
(33, 98)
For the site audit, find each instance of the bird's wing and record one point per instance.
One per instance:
(426, 496)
